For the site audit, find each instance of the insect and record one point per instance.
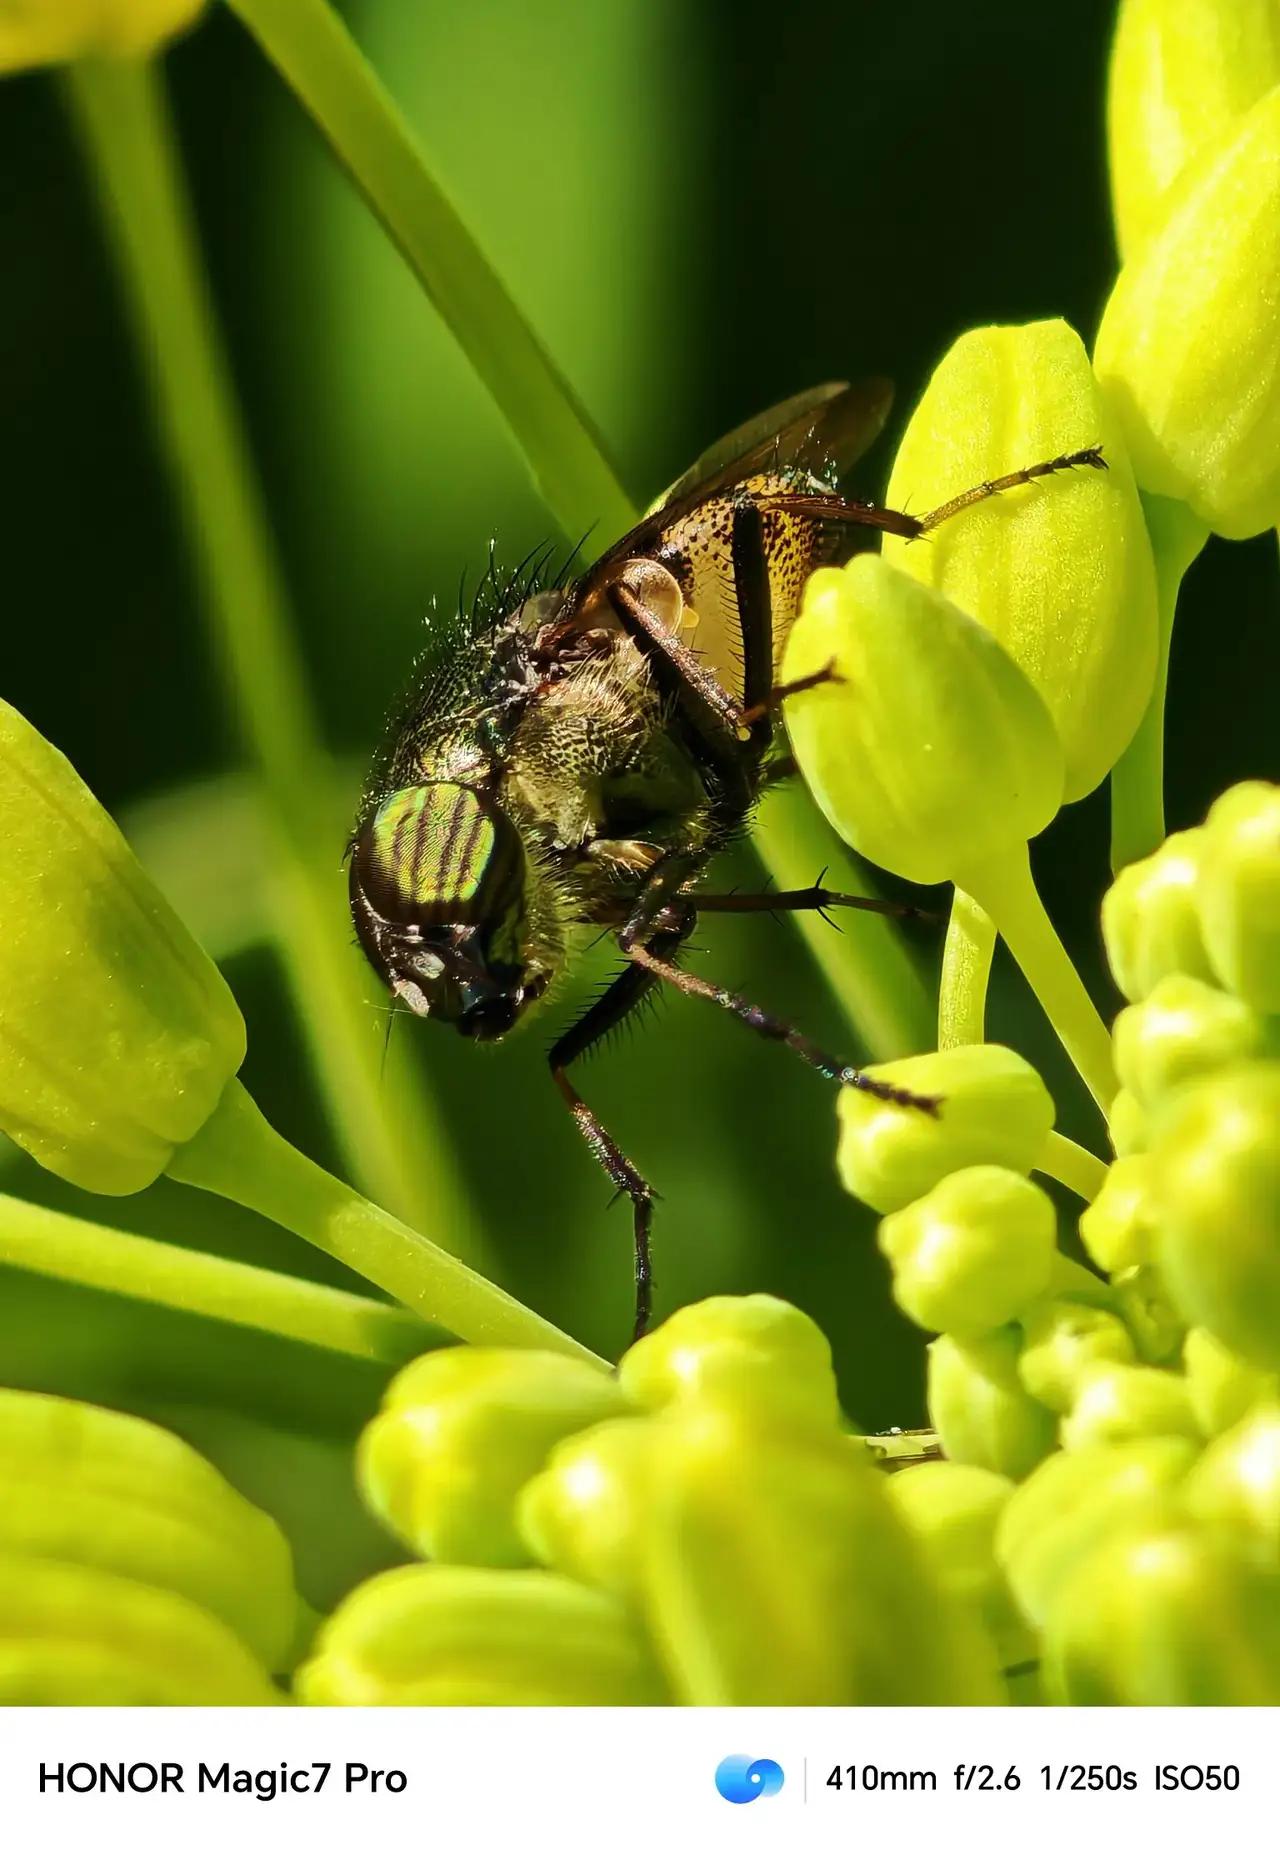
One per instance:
(574, 759)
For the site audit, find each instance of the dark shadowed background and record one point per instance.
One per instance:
(703, 208)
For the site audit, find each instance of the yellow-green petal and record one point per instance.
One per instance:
(1182, 73)
(449, 1637)
(74, 1635)
(117, 1034)
(1188, 350)
(1060, 570)
(932, 751)
(53, 31)
(460, 1433)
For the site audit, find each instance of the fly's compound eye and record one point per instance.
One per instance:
(437, 855)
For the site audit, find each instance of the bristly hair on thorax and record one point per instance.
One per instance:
(452, 678)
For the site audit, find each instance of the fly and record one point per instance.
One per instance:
(576, 758)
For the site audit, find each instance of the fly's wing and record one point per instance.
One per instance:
(822, 433)
(827, 427)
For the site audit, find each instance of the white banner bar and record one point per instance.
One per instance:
(608, 1779)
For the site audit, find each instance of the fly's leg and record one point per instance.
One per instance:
(724, 724)
(717, 716)
(650, 958)
(1091, 458)
(835, 510)
(622, 995)
(816, 898)
(821, 677)
(754, 598)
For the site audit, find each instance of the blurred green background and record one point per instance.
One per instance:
(703, 209)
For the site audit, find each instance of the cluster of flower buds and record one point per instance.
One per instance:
(1109, 1502)
(697, 1528)
(132, 1571)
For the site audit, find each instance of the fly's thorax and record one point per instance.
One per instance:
(448, 907)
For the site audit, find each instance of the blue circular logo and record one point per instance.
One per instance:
(740, 1779)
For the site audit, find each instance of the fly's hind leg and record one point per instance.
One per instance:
(622, 995)
(650, 957)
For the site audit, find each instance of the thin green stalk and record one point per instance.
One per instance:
(339, 89)
(1137, 782)
(1076, 1168)
(966, 969)
(79, 1252)
(236, 1154)
(1005, 889)
(390, 1131)
(870, 971)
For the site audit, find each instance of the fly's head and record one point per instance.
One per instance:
(444, 902)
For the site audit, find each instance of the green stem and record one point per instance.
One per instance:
(390, 1133)
(238, 1155)
(870, 971)
(966, 968)
(319, 60)
(1137, 781)
(1005, 889)
(866, 962)
(1076, 1168)
(81, 1253)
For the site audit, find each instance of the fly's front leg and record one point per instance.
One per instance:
(651, 959)
(614, 1005)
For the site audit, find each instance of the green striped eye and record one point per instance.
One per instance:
(438, 854)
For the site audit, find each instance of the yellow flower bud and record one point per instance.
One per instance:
(117, 1035)
(751, 1352)
(1063, 1340)
(953, 1511)
(983, 1414)
(1216, 1186)
(445, 1637)
(1150, 921)
(584, 1515)
(995, 1109)
(1238, 894)
(1059, 572)
(460, 1433)
(53, 31)
(932, 751)
(1073, 1502)
(1182, 72)
(1187, 347)
(972, 1253)
(1118, 1401)
(1223, 1387)
(1157, 1326)
(1166, 1614)
(71, 1634)
(1116, 1228)
(1235, 1483)
(776, 1572)
(1183, 1029)
(109, 1492)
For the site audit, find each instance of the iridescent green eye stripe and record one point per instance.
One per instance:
(435, 841)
